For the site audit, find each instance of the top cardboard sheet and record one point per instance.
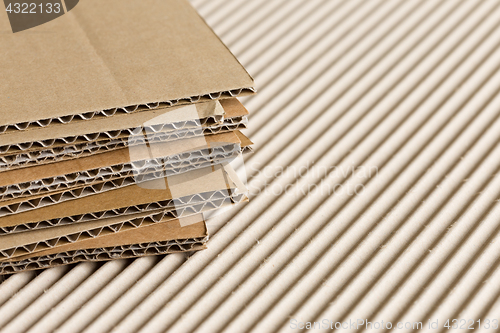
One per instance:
(104, 55)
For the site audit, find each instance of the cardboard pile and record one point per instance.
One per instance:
(118, 121)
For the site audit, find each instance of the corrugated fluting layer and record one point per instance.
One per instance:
(375, 187)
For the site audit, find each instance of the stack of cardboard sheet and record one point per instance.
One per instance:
(118, 121)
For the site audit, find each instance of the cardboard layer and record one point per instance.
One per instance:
(133, 197)
(72, 142)
(123, 52)
(115, 158)
(46, 178)
(151, 180)
(207, 114)
(38, 194)
(49, 238)
(164, 119)
(23, 204)
(8, 162)
(169, 230)
(72, 232)
(14, 245)
(190, 202)
(103, 254)
(233, 108)
(245, 141)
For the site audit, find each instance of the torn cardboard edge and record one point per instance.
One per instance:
(162, 120)
(148, 196)
(20, 244)
(23, 160)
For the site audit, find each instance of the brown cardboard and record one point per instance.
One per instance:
(171, 120)
(95, 228)
(30, 158)
(43, 239)
(193, 203)
(61, 190)
(133, 198)
(233, 108)
(94, 137)
(163, 231)
(132, 243)
(20, 205)
(245, 141)
(14, 245)
(122, 52)
(149, 164)
(161, 120)
(103, 254)
(112, 158)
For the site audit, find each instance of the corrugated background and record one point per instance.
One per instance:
(405, 94)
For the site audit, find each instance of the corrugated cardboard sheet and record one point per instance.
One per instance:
(53, 112)
(167, 124)
(133, 72)
(114, 169)
(374, 187)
